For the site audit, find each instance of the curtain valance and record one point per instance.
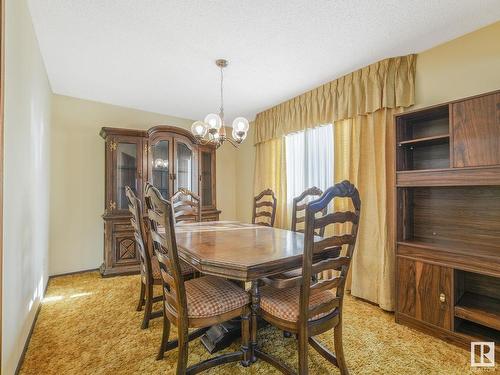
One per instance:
(386, 84)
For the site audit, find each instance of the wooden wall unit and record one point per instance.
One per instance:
(448, 219)
(166, 156)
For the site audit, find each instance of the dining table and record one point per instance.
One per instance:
(241, 252)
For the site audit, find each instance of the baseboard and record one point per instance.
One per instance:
(73, 273)
(28, 339)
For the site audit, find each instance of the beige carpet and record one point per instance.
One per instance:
(88, 325)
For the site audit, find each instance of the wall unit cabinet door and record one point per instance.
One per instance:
(424, 292)
(124, 159)
(476, 131)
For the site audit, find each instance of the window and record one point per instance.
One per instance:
(309, 160)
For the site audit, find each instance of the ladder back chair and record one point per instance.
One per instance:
(196, 303)
(298, 221)
(264, 206)
(150, 269)
(186, 205)
(308, 308)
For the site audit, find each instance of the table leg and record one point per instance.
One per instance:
(255, 305)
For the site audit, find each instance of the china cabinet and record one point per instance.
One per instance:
(166, 156)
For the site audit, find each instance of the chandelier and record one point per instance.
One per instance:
(211, 130)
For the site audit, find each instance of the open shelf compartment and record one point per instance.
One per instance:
(477, 305)
(423, 139)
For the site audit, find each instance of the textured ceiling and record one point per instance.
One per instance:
(158, 55)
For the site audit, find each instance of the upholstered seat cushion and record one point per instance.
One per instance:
(155, 265)
(284, 303)
(209, 296)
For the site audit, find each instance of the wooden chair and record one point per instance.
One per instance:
(307, 308)
(150, 269)
(196, 303)
(186, 206)
(299, 206)
(266, 198)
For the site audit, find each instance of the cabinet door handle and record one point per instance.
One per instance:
(442, 297)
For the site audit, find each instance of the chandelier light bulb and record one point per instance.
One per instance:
(241, 124)
(214, 121)
(199, 129)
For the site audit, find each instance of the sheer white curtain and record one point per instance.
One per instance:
(309, 160)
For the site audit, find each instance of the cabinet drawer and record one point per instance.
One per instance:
(424, 292)
(124, 226)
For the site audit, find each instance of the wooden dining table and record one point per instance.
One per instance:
(244, 252)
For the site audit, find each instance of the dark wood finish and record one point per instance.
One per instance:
(160, 213)
(479, 309)
(425, 292)
(264, 208)
(307, 325)
(186, 206)
(448, 219)
(143, 244)
(121, 255)
(245, 252)
(449, 177)
(476, 131)
(207, 160)
(299, 209)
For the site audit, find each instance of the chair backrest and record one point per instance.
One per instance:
(140, 234)
(314, 245)
(162, 228)
(264, 208)
(186, 206)
(299, 209)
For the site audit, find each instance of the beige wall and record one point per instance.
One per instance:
(77, 194)
(245, 178)
(462, 67)
(26, 182)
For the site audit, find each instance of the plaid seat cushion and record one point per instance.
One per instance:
(284, 303)
(186, 268)
(209, 296)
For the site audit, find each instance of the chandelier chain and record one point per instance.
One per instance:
(222, 93)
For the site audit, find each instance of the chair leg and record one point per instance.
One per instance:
(339, 349)
(148, 307)
(183, 350)
(245, 338)
(164, 337)
(141, 297)
(302, 339)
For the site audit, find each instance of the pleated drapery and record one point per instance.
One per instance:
(361, 106)
(386, 84)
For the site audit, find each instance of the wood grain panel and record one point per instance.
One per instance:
(419, 291)
(450, 177)
(457, 214)
(476, 131)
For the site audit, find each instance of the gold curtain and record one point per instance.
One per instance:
(386, 84)
(270, 172)
(364, 155)
(361, 106)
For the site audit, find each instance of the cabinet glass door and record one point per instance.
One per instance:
(206, 179)
(184, 167)
(160, 167)
(126, 172)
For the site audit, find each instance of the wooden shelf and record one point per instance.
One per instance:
(456, 247)
(479, 309)
(474, 176)
(434, 140)
(476, 332)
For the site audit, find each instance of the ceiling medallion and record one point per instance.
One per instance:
(212, 129)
